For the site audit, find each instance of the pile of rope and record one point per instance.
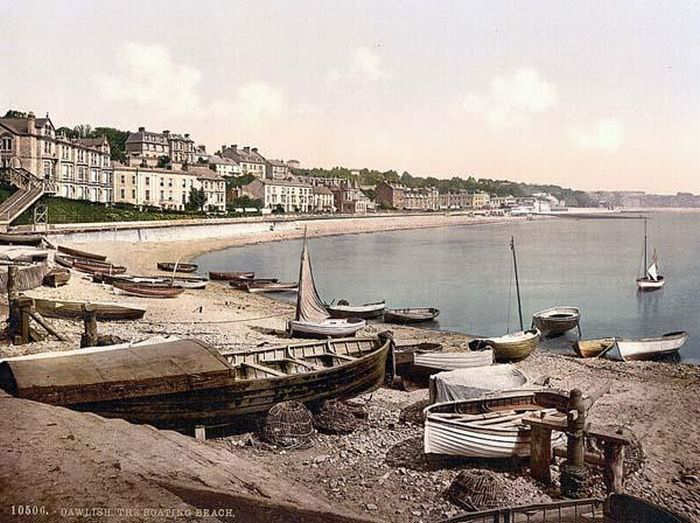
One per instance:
(474, 490)
(289, 425)
(338, 417)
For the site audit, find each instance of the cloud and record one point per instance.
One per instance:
(607, 134)
(512, 98)
(147, 75)
(365, 66)
(254, 102)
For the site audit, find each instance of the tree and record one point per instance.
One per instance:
(83, 130)
(13, 113)
(163, 162)
(197, 201)
(245, 201)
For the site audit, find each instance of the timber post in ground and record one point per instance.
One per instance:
(573, 474)
(89, 337)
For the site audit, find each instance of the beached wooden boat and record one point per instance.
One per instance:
(593, 347)
(514, 346)
(228, 276)
(56, 277)
(257, 287)
(474, 382)
(411, 315)
(77, 253)
(311, 318)
(555, 321)
(243, 282)
(343, 309)
(488, 427)
(177, 267)
(650, 280)
(185, 382)
(148, 291)
(94, 269)
(73, 310)
(424, 364)
(629, 349)
(35, 240)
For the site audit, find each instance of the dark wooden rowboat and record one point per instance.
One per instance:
(145, 291)
(94, 269)
(411, 315)
(243, 282)
(186, 382)
(177, 267)
(34, 240)
(556, 320)
(77, 253)
(228, 276)
(367, 311)
(73, 310)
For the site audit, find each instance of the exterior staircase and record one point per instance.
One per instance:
(29, 189)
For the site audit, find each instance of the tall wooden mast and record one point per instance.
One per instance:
(517, 283)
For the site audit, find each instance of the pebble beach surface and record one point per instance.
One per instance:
(379, 470)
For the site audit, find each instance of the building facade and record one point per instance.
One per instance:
(249, 159)
(349, 199)
(224, 166)
(397, 196)
(214, 187)
(323, 200)
(480, 200)
(80, 168)
(152, 187)
(145, 147)
(287, 195)
(277, 170)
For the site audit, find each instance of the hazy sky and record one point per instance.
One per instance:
(585, 94)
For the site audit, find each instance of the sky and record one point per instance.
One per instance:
(587, 94)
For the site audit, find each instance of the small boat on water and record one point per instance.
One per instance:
(258, 287)
(631, 349)
(77, 253)
(229, 276)
(73, 310)
(148, 291)
(651, 280)
(489, 427)
(177, 384)
(513, 346)
(35, 240)
(311, 318)
(410, 315)
(555, 321)
(367, 311)
(177, 266)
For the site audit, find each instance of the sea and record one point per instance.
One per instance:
(467, 272)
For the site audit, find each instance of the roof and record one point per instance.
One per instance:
(241, 155)
(218, 160)
(205, 173)
(282, 183)
(105, 373)
(121, 167)
(277, 163)
(322, 189)
(92, 142)
(140, 136)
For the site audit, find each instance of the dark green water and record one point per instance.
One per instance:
(467, 272)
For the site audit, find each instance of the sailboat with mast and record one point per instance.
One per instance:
(312, 319)
(513, 346)
(651, 280)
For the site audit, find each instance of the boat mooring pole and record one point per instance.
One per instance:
(645, 247)
(517, 284)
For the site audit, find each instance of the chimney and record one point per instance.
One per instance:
(166, 132)
(187, 135)
(234, 147)
(246, 149)
(30, 123)
(254, 149)
(142, 129)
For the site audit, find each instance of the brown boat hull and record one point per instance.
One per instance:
(73, 310)
(229, 276)
(77, 253)
(400, 317)
(181, 267)
(149, 292)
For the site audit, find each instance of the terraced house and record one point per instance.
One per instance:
(287, 195)
(78, 168)
(146, 148)
(248, 158)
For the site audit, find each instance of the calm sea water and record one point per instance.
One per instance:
(466, 271)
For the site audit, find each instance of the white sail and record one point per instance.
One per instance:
(309, 305)
(653, 272)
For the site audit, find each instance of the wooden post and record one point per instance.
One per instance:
(613, 473)
(573, 474)
(89, 337)
(540, 453)
(200, 432)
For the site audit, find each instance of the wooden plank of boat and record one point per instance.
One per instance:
(34, 240)
(180, 383)
(272, 287)
(144, 291)
(228, 276)
(593, 347)
(81, 254)
(177, 267)
(514, 346)
(73, 310)
(626, 349)
(367, 311)
(555, 321)
(94, 269)
(411, 315)
(500, 437)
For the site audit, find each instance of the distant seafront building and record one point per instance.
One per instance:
(324, 200)
(224, 166)
(81, 167)
(148, 147)
(291, 196)
(248, 158)
(398, 196)
(277, 170)
(349, 198)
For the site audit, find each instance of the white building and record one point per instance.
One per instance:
(290, 196)
(224, 166)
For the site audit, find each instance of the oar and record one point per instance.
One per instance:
(607, 349)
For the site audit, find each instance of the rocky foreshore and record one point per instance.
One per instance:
(378, 471)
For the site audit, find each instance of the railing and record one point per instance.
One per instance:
(588, 510)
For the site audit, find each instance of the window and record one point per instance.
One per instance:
(133, 194)
(122, 179)
(121, 194)
(148, 180)
(133, 180)
(6, 144)
(47, 147)
(148, 195)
